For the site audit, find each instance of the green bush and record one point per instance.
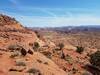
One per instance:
(69, 59)
(95, 59)
(79, 49)
(61, 45)
(36, 46)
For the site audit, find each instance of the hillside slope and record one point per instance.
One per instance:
(14, 47)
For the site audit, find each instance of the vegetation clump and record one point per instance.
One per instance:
(68, 59)
(14, 54)
(61, 45)
(36, 46)
(20, 63)
(14, 47)
(79, 49)
(18, 48)
(95, 59)
(34, 71)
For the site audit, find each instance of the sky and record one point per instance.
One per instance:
(52, 13)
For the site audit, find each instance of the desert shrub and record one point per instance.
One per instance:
(20, 63)
(14, 47)
(61, 45)
(95, 59)
(13, 55)
(79, 49)
(34, 71)
(47, 54)
(17, 48)
(68, 59)
(36, 46)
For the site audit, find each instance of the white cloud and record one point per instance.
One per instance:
(55, 20)
(59, 21)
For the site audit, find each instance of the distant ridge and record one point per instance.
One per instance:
(82, 28)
